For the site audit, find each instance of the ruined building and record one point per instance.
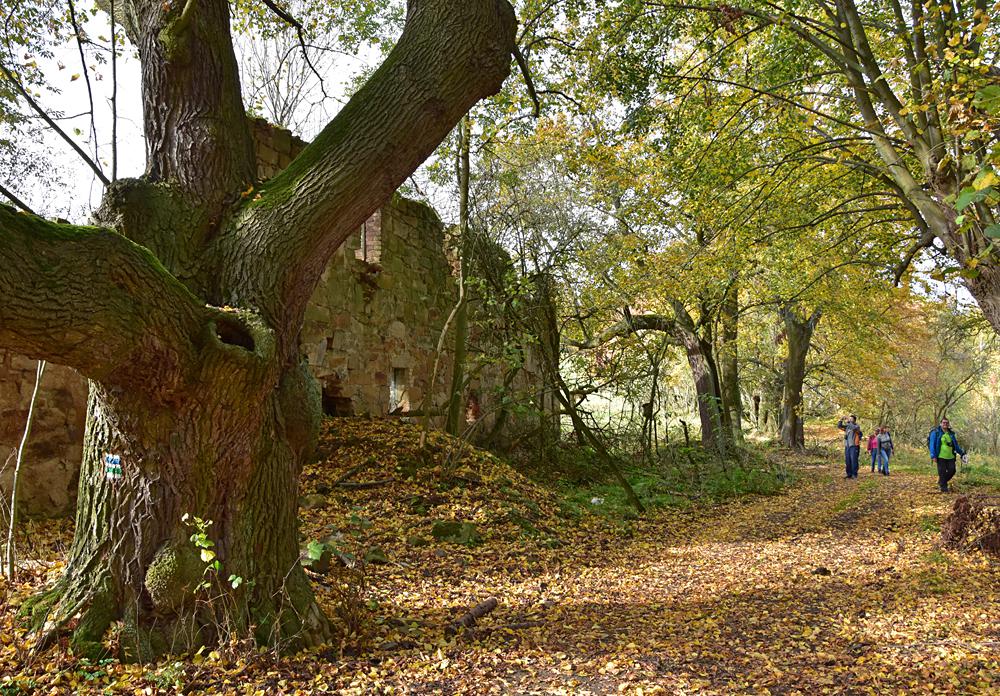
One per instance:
(370, 335)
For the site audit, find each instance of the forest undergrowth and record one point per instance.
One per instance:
(823, 586)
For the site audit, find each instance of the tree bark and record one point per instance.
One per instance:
(184, 310)
(799, 333)
(709, 404)
(464, 248)
(728, 359)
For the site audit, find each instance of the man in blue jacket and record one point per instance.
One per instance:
(944, 448)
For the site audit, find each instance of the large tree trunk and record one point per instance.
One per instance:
(230, 454)
(185, 312)
(799, 336)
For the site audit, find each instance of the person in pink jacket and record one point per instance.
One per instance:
(873, 447)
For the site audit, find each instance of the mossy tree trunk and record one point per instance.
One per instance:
(706, 379)
(184, 306)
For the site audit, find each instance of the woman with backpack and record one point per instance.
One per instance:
(872, 448)
(885, 448)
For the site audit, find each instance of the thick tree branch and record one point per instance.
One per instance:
(452, 53)
(522, 63)
(926, 239)
(90, 299)
(630, 325)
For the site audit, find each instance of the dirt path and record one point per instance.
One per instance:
(833, 587)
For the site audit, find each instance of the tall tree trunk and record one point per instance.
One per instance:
(799, 333)
(464, 251)
(728, 358)
(229, 453)
(184, 311)
(705, 380)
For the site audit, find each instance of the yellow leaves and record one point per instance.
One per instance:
(985, 179)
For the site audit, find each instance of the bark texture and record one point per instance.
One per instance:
(184, 309)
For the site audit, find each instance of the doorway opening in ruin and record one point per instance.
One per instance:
(399, 391)
(334, 402)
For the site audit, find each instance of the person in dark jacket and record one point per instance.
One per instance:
(885, 449)
(944, 449)
(852, 444)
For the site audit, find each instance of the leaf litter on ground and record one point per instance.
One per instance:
(722, 599)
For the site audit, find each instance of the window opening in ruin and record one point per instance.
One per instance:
(399, 391)
(370, 247)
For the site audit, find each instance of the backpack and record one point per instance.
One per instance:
(887, 445)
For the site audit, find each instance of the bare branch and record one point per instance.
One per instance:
(52, 124)
(288, 19)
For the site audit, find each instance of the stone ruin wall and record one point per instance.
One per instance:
(370, 336)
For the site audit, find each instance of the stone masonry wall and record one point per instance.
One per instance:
(370, 336)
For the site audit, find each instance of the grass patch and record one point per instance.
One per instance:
(686, 476)
(854, 498)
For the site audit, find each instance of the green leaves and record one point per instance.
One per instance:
(970, 196)
(988, 99)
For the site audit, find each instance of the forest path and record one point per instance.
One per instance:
(834, 586)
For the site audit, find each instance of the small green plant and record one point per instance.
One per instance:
(930, 523)
(213, 593)
(345, 559)
(170, 676)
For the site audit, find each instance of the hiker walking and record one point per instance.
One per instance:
(884, 450)
(872, 447)
(943, 445)
(852, 444)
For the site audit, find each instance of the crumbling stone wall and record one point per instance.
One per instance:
(370, 335)
(52, 457)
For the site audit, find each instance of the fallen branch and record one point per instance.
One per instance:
(350, 473)
(361, 485)
(468, 620)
